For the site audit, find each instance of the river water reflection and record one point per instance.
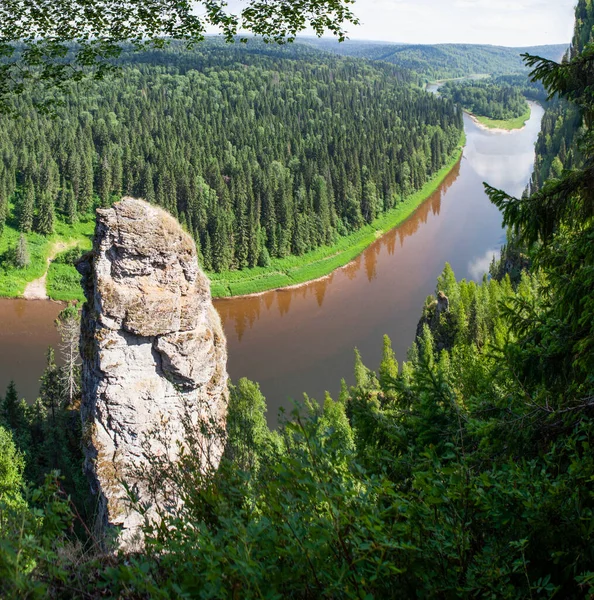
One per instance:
(301, 340)
(26, 331)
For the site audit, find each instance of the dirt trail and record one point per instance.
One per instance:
(36, 290)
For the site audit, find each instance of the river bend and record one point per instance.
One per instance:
(302, 339)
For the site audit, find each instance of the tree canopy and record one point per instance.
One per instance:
(259, 151)
(49, 42)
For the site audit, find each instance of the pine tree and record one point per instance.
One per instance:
(70, 206)
(45, 215)
(22, 259)
(27, 207)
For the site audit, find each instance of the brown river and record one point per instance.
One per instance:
(302, 339)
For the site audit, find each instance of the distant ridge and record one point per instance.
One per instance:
(442, 61)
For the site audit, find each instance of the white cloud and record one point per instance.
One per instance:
(480, 265)
(500, 22)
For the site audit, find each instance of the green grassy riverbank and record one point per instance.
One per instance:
(54, 255)
(508, 124)
(295, 270)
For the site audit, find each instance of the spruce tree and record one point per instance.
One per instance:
(352, 209)
(147, 187)
(369, 201)
(22, 259)
(27, 207)
(45, 215)
(10, 407)
(207, 251)
(85, 197)
(70, 206)
(104, 182)
(51, 393)
(388, 370)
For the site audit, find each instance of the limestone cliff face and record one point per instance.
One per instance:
(153, 349)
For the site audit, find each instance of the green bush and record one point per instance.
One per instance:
(63, 282)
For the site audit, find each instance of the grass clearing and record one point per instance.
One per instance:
(294, 270)
(508, 125)
(63, 283)
(14, 280)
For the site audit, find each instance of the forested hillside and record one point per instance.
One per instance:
(444, 61)
(556, 148)
(488, 99)
(260, 152)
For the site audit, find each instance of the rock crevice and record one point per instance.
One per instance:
(153, 351)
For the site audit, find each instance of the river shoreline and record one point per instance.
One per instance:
(379, 235)
(532, 104)
(481, 125)
(301, 339)
(324, 261)
(334, 262)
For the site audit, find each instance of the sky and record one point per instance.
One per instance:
(498, 22)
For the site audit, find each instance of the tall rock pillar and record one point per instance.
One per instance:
(154, 355)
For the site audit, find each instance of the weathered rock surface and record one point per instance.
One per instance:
(443, 303)
(154, 354)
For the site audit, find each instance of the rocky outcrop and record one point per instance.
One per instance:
(154, 357)
(439, 319)
(443, 303)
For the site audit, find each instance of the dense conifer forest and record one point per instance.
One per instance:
(532, 90)
(260, 152)
(465, 472)
(498, 101)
